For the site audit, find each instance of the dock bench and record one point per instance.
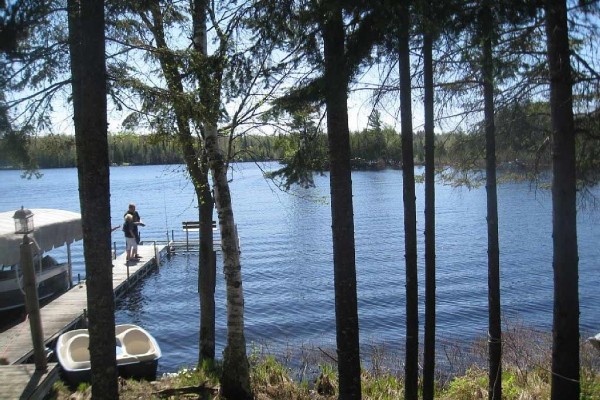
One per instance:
(193, 226)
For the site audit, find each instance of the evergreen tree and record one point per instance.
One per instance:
(430, 275)
(342, 215)
(86, 37)
(411, 368)
(565, 326)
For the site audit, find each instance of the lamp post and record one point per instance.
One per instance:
(24, 225)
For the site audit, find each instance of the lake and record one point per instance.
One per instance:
(287, 262)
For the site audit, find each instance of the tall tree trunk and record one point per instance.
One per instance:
(565, 332)
(342, 214)
(235, 380)
(207, 267)
(411, 369)
(207, 270)
(86, 39)
(494, 320)
(198, 170)
(429, 345)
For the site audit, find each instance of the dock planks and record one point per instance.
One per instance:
(59, 316)
(24, 382)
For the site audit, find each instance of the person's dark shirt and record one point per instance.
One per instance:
(136, 218)
(129, 229)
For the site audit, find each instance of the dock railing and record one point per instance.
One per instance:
(191, 242)
(189, 227)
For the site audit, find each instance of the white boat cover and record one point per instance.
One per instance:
(53, 228)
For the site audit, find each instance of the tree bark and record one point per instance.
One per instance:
(207, 267)
(411, 369)
(429, 345)
(494, 320)
(207, 278)
(235, 380)
(87, 46)
(565, 332)
(342, 214)
(198, 169)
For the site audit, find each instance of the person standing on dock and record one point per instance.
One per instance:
(130, 239)
(137, 221)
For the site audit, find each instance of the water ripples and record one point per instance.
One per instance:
(287, 261)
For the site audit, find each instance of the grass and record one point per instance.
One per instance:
(526, 375)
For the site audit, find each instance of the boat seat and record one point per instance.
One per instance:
(136, 343)
(78, 351)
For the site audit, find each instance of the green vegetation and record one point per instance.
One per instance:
(526, 375)
(523, 146)
(272, 380)
(523, 149)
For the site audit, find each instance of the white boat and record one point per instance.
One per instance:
(137, 353)
(595, 341)
(53, 228)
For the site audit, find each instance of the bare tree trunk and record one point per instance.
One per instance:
(87, 45)
(235, 380)
(198, 171)
(494, 320)
(565, 333)
(411, 369)
(429, 345)
(207, 270)
(207, 266)
(342, 214)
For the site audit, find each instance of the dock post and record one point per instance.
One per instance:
(156, 255)
(168, 244)
(69, 262)
(33, 305)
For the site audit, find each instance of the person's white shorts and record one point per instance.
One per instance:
(131, 243)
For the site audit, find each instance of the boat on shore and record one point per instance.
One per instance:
(595, 341)
(53, 228)
(137, 354)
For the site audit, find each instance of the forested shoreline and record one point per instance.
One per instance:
(523, 145)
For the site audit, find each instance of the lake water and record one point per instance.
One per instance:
(287, 258)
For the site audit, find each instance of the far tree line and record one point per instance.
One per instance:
(522, 140)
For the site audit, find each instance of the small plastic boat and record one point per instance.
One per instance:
(595, 341)
(137, 354)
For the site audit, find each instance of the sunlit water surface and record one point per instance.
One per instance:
(287, 257)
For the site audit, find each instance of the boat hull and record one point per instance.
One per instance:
(145, 370)
(52, 281)
(142, 371)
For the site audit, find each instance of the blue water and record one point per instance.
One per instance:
(287, 257)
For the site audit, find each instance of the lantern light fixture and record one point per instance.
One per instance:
(23, 221)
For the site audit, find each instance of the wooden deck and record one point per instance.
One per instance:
(24, 382)
(59, 316)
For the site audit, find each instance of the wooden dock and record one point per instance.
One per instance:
(24, 382)
(58, 316)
